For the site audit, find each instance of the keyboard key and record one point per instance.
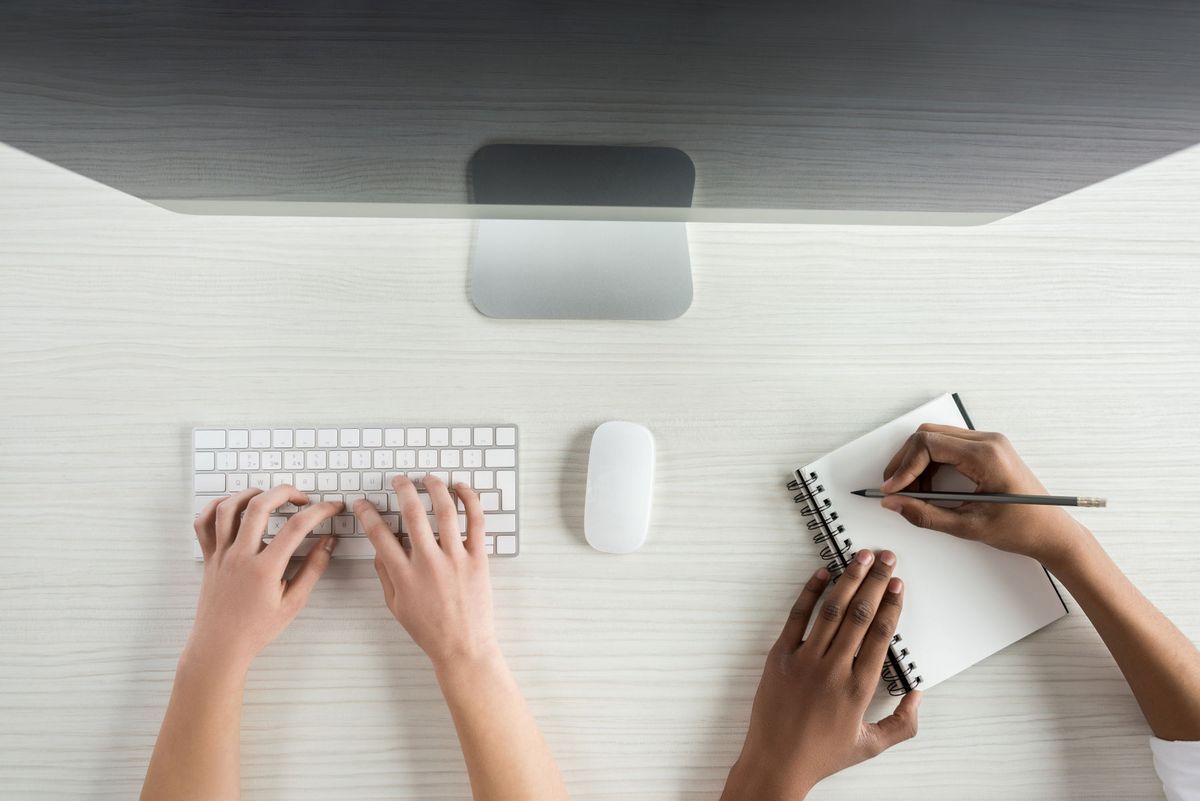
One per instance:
(226, 460)
(392, 522)
(382, 460)
(279, 479)
(209, 482)
(314, 499)
(472, 458)
(306, 482)
(497, 457)
(438, 437)
(461, 477)
(483, 437)
(372, 481)
(415, 476)
(427, 459)
(348, 481)
(393, 437)
(506, 546)
(236, 482)
(353, 498)
(327, 481)
(506, 482)
(315, 460)
(349, 438)
(441, 475)
(484, 479)
(239, 438)
(260, 438)
(339, 460)
(275, 524)
(260, 481)
(378, 500)
(324, 527)
(506, 437)
(333, 497)
(460, 437)
(372, 438)
(406, 459)
(500, 523)
(343, 525)
(306, 438)
(204, 460)
(281, 438)
(272, 460)
(293, 460)
(426, 501)
(490, 501)
(451, 458)
(415, 437)
(208, 439)
(288, 508)
(248, 460)
(199, 502)
(327, 437)
(360, 460)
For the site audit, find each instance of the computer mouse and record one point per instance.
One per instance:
(620, 485)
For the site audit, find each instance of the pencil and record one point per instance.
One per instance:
(993, 497)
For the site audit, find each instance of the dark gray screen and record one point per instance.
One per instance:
(913, 106)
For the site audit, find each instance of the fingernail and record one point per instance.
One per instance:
(821, 573)
(864, 557)
(895, 585)
(891, 504)
(329, 542)
(888, 558)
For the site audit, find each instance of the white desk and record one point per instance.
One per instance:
(1073, 327)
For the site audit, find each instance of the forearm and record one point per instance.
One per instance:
(196, 755)
(749, 781)
(1160, 664)
(507, 759)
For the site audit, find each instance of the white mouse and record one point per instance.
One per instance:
(620, 484)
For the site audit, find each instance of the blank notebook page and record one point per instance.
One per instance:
(963, 601)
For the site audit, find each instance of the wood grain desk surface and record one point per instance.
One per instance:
(1073, 327)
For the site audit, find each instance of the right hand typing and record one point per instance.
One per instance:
(1046, 533)
(439, 590)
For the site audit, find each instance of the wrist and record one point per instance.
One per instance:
(223, 664)
(1071, 547)
(751, 779)
(469, 663)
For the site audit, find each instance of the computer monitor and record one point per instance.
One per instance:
(870, 111)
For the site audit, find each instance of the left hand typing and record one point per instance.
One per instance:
(807, 721)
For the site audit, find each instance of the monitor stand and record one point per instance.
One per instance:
(581, 269)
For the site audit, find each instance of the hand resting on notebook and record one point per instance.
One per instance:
(807, 720)
(1160, 663)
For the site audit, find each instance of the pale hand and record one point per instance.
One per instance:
(245, 602)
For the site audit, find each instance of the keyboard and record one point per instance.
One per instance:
(346, 464)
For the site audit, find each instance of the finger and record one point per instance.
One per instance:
(925, 515)
(310, 572)
(387, 546)
(897, 727)
(832, 610)
(284, 546)
(229, 516)
(954, 431)
(385, 581)
(412, 511)
(206, 527)
(446, 512)
(476, 522)
(254, 522)
(863, 606)
(797, 622)
(879, 634)
(927, 447)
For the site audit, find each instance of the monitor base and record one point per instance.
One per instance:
(581, 270)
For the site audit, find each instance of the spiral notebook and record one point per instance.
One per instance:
(963, 601)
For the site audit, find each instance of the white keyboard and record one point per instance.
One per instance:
(345, 464)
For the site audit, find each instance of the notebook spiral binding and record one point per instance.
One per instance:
(837, 550)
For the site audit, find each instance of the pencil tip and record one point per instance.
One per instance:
(863, 493)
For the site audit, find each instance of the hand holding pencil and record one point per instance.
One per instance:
(1036, 529)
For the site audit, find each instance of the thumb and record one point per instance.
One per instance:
(897, 727)
(925, 515)
(311, 569)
